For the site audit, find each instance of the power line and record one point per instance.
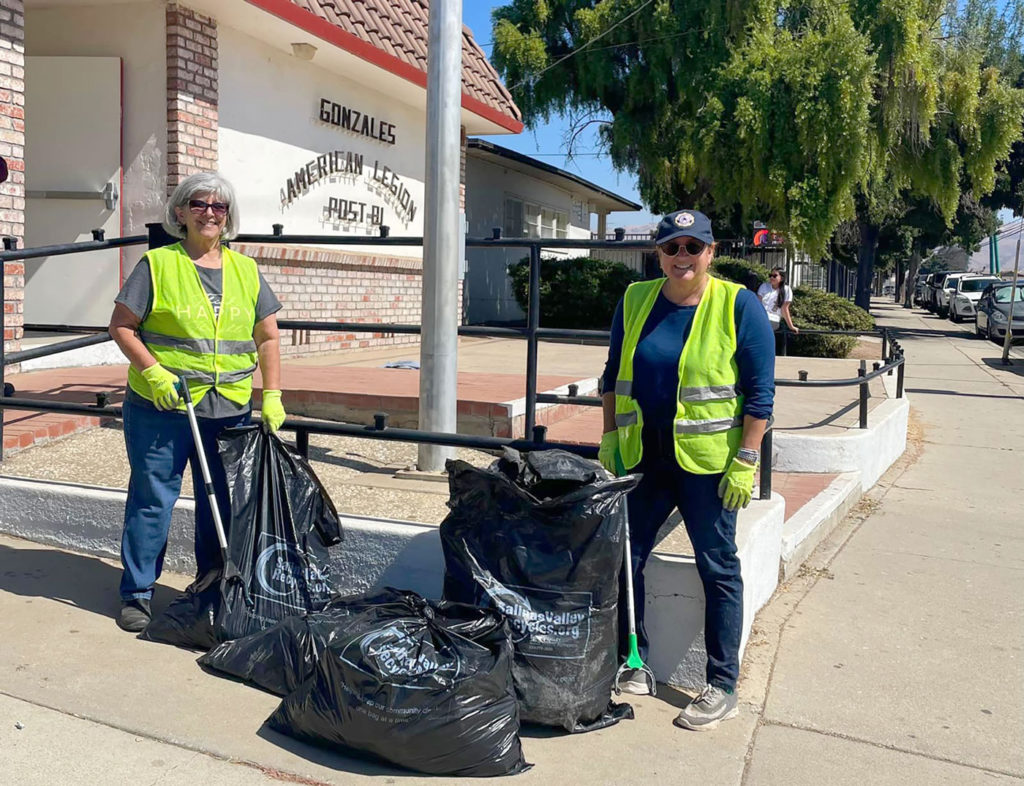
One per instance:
(596, 38)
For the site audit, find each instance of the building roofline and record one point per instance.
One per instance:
(522, 158)
(321, 28)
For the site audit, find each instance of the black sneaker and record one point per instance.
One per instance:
(134, 616)
(710, 708)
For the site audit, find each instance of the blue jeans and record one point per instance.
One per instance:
(159, 445)
(712, 531)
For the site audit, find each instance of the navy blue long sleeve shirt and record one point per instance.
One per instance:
(656, 360)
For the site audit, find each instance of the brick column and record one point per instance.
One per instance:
(12, 148)
(191, 94)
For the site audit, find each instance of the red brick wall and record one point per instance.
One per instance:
(191, 94)
(335, 286)
(12, 148)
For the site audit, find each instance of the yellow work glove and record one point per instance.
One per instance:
(272, 410)
(737, 485)
(608, 453)
(162, 383)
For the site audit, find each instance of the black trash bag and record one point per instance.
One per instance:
(283, 656)
(539, 536)
(282, 523)
(425, 685)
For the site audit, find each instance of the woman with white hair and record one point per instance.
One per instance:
(199, 312)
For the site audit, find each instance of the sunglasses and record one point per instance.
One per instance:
(691, 247)
(199, 207)
(774, 275)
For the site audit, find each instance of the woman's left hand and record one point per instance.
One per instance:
(272, 410)
(737, 486)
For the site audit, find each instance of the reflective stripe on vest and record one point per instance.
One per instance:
(709, 411)
(183, 334)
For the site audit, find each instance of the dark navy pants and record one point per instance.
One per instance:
(712, 531)
(159, 445)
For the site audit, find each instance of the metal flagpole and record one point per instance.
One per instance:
(439, 344)
(1008, 339)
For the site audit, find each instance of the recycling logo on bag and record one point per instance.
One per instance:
(281, 574)
(405, 655)
(544, 623)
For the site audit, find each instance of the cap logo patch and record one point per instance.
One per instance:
(684, 220)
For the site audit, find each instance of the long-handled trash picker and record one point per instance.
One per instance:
(633, 662)
(230, 572)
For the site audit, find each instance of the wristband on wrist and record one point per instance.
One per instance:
(749, 455)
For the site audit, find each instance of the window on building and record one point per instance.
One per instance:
(528, 219)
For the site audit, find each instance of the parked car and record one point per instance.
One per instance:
(920, 285)
(944, 293)
(993, 311)
(964, 298)
(931, 299)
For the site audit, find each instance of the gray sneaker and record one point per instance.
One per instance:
(633, 681)
(710, 708)
(134, 616)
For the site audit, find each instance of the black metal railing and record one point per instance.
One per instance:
(892, 353)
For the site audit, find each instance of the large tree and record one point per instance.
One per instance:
(803, 114)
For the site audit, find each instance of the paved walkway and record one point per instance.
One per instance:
(902, 662)
(893, 658)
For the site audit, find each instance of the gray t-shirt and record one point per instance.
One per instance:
(137, 296)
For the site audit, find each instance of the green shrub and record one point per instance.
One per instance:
(742, 271)
(574, 293)
(816, 310)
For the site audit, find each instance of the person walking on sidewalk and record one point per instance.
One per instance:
(687, 392)
(776, 295)
(200, 312)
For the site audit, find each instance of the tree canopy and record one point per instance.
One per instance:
(800, 113)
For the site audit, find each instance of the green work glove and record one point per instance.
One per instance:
(608, 453)
(737, 485)
(272, 410)
(162, 383)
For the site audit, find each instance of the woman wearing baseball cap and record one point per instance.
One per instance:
(687, 392)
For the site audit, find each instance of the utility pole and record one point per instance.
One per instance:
(439, 344)
(1008, 339)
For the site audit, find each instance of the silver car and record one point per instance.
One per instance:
(993, 311)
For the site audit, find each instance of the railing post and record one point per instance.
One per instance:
(766, 465)
(885, 343)
(785, 339)
(158, 237)
(899, 378)
(532, 323)
(302, 442)
(862, 371)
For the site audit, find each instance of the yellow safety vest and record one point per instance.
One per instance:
(182, 334)
(709, 411)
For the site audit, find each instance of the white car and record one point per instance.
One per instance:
(963, 300)
(944, 292)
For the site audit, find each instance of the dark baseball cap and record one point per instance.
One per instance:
(684, 223)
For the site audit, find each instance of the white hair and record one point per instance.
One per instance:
(201, 183)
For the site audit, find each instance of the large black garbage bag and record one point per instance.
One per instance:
(282, 523)
(421, 684)
(283, 656)
(539, 536)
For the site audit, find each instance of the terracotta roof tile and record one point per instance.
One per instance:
(399, 28)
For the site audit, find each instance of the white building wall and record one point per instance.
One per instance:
(270, 129)
(135, 33)
(488, 288)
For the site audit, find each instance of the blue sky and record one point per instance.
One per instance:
(547, 142)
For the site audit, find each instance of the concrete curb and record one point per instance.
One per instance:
(815, 521)
(870, 451)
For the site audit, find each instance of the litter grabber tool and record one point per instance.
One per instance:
(230, 572)
(633, 661)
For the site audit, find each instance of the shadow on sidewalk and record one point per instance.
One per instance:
(1016, 365)
(85, 582)
(327, 758)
